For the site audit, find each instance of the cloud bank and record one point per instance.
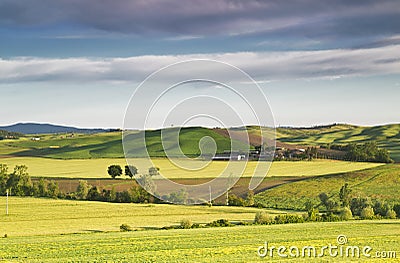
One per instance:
(263, 66)
(320, 19)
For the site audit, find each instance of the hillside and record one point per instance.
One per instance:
(387, 136)
(377, 183)
(108, 144)
(39, 128)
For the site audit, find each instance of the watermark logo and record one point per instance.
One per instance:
(199, 93)
(341, 249)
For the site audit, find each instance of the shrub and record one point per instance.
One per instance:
(345, 214)
(234, 200)
(367, 213)
(396, 208)
(331, 218)
(288, 219)
(391, 214)
(263, 218)
(125, 228)
(186, 223)
(219, 223)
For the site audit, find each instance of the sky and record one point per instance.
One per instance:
(79, 63)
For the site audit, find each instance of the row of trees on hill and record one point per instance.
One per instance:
(347, 206)
(363, 152)
(116, 171)
(19, 183)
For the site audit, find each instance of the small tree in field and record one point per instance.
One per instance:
(114, 171)
(131, 171)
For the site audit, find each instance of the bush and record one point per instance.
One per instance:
(125, 228)
(396, 208)
(186, 224)
(345, 214)
(288, 219)
(263, 218)
(234, 200)
(391, 214)
(219, 223)
(367, 213)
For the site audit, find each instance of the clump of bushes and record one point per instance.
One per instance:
(186, 224)
(220, 223)
(367, 213)
(263, 218)
(125, 228)
(346, 214)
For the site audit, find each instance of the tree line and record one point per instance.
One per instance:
(19, 183)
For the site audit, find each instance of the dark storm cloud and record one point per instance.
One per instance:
(330, 19)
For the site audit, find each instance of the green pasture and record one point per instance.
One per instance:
(381, 183)
(97, 168)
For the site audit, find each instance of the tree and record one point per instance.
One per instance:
(367, 213)
(94, 194)
(131, 171)
(42, 187)
(327, 202)
(114, 170)
(147, 183)
(344, 195)
(358, 204)
(153, 171)
(391, 214)
(19, 181)
(82, 190)
(3, 178)
(396, 208)
(53, 189)
(250, 198)
(345, 213)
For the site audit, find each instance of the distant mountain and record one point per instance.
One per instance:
(38, 128)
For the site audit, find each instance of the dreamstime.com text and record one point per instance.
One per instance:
(340, 249)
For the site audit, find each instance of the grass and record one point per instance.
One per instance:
(377, 183)
(238, 244)
(97, 168)
(108, 145)
(387, 136)
(39, 216)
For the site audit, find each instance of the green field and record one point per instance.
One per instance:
(108, 145)
(43, 230)
(34, 216)
(387, 136)
(97, 168)
(381, 183)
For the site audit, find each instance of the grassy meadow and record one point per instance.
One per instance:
(41, 216)
(232, 244)
(377, 183)
(50, 230)
(387, 136)
(108, 145)
(97, 168)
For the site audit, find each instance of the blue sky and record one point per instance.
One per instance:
(78, 62)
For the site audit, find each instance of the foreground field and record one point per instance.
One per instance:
(33, 216)
(237, 244)
(97, 168)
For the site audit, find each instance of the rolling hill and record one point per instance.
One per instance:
(377, 183)
(108, 144)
